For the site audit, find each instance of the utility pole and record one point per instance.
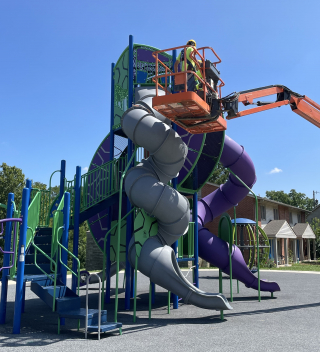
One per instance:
(314, 198)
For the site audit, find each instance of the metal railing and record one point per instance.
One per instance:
(54, 278)
(13, 251)
(101, 182)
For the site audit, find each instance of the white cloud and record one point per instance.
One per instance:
(85, 169)
(275, 171)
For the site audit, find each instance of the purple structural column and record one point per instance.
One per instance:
(109, 216)
(6, 260)
(21, 261)
(130, 151)
(76, 223)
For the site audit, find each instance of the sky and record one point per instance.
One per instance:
(55, 73)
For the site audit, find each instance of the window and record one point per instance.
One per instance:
(275, 214)
(263, 212)
(299, 218)
(290, 218)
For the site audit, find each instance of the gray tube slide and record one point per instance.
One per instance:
(146, 187)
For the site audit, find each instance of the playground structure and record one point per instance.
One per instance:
(144, 227)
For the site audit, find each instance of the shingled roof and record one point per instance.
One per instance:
(279, 229)
(303, 231)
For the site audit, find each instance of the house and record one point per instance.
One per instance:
(290, 237)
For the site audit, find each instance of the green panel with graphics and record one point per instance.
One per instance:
(144, 227)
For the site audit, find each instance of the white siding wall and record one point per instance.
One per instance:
(269, 213)
(294, 218)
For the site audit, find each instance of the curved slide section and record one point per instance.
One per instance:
(146, 187)
(213, 249)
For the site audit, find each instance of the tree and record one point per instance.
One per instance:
(220, 175)
(294, 198)
(315, 225)
(12, 180)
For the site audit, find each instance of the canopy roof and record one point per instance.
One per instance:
(303, 231)
(279, 229)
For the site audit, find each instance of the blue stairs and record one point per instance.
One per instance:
(67, 303)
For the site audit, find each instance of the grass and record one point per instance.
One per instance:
(314, 266)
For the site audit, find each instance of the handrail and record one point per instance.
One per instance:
(13, 252)
(87, 305)
(257, 225)
(36, 248)
(4, 206)
(72, 255)
(105, 254)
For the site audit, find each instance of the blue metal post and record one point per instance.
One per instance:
(109, 218)
(29, 185)
(76, 214)
(21, 261)
(174, 58)
(130, 151)
(6, 260)
(175, 298)
(62, 178)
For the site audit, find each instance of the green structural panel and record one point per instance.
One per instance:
(114, 240)
(144, 227)
(143, 71)
(225, 228)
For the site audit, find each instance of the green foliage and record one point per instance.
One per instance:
(12, 180)
(220, 175)
(293, 198)
(82, 245)
(315, 225)
(268, 263)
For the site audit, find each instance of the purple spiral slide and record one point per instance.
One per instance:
(213, 249)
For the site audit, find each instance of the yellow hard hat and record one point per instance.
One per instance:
(191, 42)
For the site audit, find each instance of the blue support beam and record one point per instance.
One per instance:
(196, 247)
(130, 151)
(77, 188)
(62, 178)
(175, 298)
(6, 260)
(21, 261)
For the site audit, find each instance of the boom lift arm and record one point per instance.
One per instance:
(300, 104)
(203, 111)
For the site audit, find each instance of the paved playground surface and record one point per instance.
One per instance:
(288, 322)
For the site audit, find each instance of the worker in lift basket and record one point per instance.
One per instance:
(192, 83)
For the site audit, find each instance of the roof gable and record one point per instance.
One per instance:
(279, 229)
(303, 231)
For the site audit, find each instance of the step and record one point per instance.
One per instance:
(31, 269)
(44, 247)
(31, 278)
(66, 299)
(44, 231)
(105, 327)
(93, 315)
(43, 239)
(41, 259)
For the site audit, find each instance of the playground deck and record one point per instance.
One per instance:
(287, 322)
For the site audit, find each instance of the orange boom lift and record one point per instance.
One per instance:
(203, 111)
